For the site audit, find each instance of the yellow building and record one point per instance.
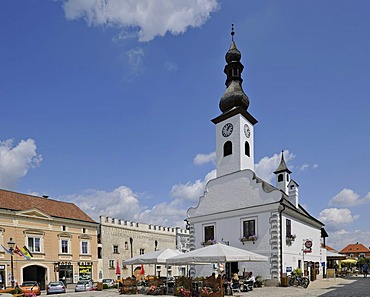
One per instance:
(60, 236)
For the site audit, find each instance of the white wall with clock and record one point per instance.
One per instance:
(238, 130)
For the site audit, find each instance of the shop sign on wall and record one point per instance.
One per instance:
(307, 246)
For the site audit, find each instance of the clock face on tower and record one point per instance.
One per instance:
(247, 131)
(227, 129)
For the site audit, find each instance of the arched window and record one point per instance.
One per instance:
(228, 148)
(247, 149)
(280, 177)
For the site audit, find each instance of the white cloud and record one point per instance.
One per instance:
(123, 203)
(192, 191)
(348, 197)
(153, 18)
(165, 215)
(341, 238)
(267, 165)
(201, 159)
(303, 167)
(135, 59)
(336, 218)
(170, 66)
(15, 161)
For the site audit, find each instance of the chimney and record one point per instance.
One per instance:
(293, 193)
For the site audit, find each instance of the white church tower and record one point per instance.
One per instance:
(235, 126)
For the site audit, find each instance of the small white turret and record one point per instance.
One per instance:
(282, 175)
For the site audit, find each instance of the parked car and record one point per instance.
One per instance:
(84, 285)
(109, 282)
(55, 287)
(29, 287)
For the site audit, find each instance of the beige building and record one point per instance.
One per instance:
(60, 236)
(120, 240)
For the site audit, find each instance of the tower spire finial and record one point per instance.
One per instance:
(232, 32)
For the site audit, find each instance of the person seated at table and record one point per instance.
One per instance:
(225, 284)
(235, 282)
(249, 282)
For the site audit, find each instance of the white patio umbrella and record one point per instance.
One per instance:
(157, 257)
(216, 253)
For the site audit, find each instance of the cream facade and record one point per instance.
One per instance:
(62, 248)
(120, 240)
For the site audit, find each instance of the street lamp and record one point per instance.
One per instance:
(11, 244)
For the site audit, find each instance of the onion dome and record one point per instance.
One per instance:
(234, 95)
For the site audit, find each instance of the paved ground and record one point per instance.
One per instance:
(338, 287)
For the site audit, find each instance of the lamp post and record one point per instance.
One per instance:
(11, 244)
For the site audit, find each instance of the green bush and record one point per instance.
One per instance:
(259, 281)
(298, 271)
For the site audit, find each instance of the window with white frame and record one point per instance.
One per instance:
(249, 228)
(111, 263)
(84, 247)
(34, 244)
(64, 246)
(115, 249)
(209, 233)
(288, 227)
(142, 251)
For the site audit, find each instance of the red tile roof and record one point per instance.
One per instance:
(354, 248)
(20, 202)
(329, 248)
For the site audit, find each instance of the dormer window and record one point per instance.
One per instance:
(228, 148)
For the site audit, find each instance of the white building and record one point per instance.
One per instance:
(242, 210)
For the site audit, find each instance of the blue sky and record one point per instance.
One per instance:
(109, 106)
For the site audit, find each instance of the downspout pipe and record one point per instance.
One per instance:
(281, 208)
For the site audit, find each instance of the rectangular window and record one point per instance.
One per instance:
(209, 233)
(84, 247)
(288, 227)
(64, 246)
(111, 263)
(115, 249)
(34, 244)
(249, 228)
(142, 251)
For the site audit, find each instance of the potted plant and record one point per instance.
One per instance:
(260, 282)
(290, 238)
(248, 238)
(208, 242)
